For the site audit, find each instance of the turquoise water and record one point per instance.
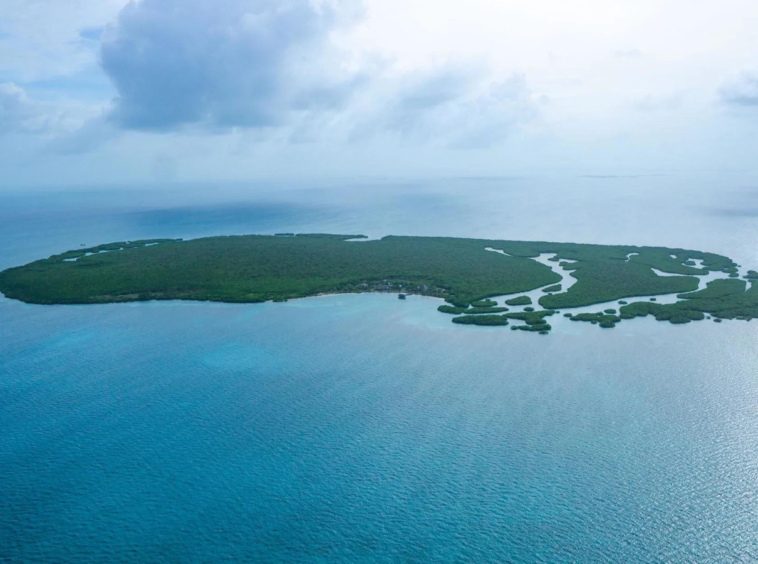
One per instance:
(369, 429)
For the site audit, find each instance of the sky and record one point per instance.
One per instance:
(111, 92)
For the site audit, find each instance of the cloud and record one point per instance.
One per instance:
(270, 67)
(740, 89)
(91, 135)
(48, 39)
(19, 113)
(454, 106)
(434, 89)
(221, 65)
(91, 33)
(658, 102)
(61, 129)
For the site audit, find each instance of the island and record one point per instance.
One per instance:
(465, 273)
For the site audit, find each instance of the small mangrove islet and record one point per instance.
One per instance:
(470, 310)
(484, 303)
(481, 320)
(552, 289)
(519, 301)
(463, 272)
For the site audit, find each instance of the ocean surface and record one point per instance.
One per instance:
(366, 429)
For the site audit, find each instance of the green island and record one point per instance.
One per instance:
(481, 320)
(470, 310)
(541, 329)
(484, 303)
(463, 272)
(519, 301)
(553, 288)
(531, 317)
(605, 320)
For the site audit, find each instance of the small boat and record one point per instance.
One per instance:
(401, 296)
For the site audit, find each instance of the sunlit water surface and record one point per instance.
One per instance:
(365, 428)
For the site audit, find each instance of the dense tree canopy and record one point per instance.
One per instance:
(255, 268)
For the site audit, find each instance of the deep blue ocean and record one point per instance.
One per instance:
(362, 428)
